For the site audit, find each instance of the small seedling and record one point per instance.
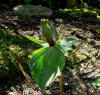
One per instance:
(96, 82)
(48, 62)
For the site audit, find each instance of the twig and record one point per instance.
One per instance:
(61, 84)
(22, 69)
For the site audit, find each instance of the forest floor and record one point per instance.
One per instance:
(82, 29)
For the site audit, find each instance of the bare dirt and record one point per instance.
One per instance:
(82, 29)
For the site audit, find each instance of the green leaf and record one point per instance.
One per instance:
(36, 51)
(46, 64)
(45, 29)
(68, 44)
(40, 42)
(69, 69)
(96, 82)
(59, 40)
(85, 5)
(53, 31)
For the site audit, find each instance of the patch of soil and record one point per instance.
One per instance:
(81, 29)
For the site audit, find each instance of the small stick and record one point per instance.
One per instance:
(61, 84)
(22, 69)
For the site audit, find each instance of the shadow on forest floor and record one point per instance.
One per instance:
(82, 29)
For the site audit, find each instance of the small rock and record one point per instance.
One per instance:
(59, 20)
(89, 75)
(18, 87)
(48, 92)
(13, 89)
(12, 93)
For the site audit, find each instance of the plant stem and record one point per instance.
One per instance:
(24, 73)
(61, 84)
(21, 68)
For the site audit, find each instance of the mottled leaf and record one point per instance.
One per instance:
(96, 82)
(68, 44)
(40, 42)
(46, 64)
(53, 31)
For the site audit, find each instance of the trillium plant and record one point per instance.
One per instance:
(48, 62)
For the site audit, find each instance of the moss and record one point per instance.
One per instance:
(76, 58)
(11, 52)
(97, 31)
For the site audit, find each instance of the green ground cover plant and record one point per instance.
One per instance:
(79, 13)
(12, 56)
(48, 62)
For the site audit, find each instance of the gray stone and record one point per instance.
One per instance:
(88, 75)
(32, 10)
